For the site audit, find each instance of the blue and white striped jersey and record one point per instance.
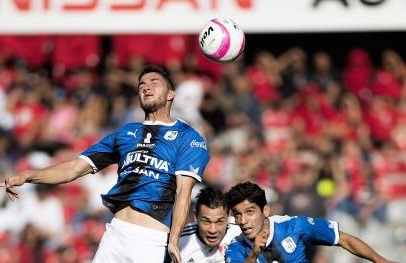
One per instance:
(149, 156)
(290, 236)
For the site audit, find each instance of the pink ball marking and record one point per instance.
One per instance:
(225, 43)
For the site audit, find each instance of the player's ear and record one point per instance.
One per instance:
(171, 95)
(267, 210)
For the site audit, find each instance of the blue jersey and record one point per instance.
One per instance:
(290, 237)
(149, 156)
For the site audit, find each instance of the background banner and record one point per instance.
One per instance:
(189, 16)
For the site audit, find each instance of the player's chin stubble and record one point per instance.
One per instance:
(152, 106)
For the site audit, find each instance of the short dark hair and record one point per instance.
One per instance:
(212, 198)
(246, 191)
(161, 71)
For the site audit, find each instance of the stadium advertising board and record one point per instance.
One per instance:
(188, 16)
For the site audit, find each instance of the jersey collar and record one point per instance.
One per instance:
(159, 123)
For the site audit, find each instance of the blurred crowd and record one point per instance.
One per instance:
(324, 141)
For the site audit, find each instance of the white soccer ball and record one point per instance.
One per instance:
(222, 40)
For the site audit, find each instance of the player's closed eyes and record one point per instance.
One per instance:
(153, 83)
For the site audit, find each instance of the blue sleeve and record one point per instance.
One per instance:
(235, 253)
(318, 231)
(193, 155)
(101, 154)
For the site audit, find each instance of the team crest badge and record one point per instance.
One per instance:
(170, 135)
(289, 245)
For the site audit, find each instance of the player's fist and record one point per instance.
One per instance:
(174, 253)
(261, 238)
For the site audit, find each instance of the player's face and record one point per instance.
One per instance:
(153, 92)
(212, 224)
(249, 217)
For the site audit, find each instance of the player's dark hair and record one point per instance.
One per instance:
(212, 198)
(160, 71)
(246, 191)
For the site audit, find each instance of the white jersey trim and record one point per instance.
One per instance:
(90, 162)
(159, 123)
(190, 174)
(336, 232)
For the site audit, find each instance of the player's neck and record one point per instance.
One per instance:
(158, 117)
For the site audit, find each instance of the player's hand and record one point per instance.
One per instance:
(9, 184)
(174, 252)
(261, 238)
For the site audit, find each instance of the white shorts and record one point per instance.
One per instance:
(129, 243)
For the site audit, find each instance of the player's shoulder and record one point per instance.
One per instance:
(296, 223)
(233, 227)
(233, 230)
(281, 218)
(187, 128)
(303, 220)
(286, 222)
(238, 242)
(189, 230)
(190, 136)
(237, 250)
(188, 238)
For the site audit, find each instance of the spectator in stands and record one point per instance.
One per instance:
(357, 194)
(393, 63)
(60, 127)
(380, 116)
(294, 70)
(358, 73)
(265, 77)
(323, 72)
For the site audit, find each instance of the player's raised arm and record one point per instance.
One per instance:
(56, 174)
(359, 248)
(180, 212)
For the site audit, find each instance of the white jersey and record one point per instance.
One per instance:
(193, 250)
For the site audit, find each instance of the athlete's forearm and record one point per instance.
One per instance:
(181, 206)
(359, 248)
(179, 216)
(57, 174)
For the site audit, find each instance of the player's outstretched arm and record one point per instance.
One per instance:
(180, 213)
(56, 174)
(361, 249)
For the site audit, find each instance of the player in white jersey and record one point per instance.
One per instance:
(206, 240)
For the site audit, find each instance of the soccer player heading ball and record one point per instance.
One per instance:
(158, 161)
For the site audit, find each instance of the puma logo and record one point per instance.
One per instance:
(132, 133)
